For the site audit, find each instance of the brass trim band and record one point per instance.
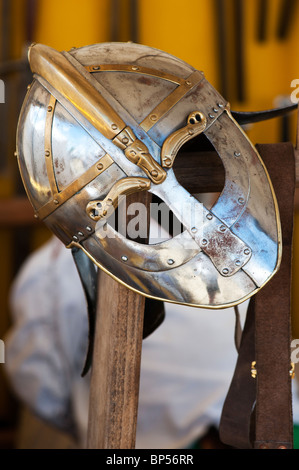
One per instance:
(48, 145)
(135, 69)
(172, 99)
(184, 86)
(60, 197)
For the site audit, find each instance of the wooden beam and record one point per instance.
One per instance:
(196, 171)
(114, 389)
(115, 374)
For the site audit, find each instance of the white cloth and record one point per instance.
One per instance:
(187, 363)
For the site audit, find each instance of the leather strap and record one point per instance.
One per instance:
(235, 424)
(274, 424)
(246, 117)
(257, 413)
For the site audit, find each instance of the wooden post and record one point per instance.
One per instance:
(114, 389)
(116, 367)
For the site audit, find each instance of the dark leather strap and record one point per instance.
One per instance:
(274, 424)
(246, 117)
(237, 412)
(257, 413)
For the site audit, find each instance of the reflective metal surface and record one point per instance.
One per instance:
(86, 112)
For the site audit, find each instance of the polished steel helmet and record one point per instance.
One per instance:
(104, 121)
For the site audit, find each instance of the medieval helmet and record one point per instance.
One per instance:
(103, 121)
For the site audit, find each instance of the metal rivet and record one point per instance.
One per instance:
(154, 173)
(225, 271)
(100, 166)
(215, 110)
(89, 229)
(134, 67)
(194, 230)
(237, 154)
(204, 241)
(211, 116)
(124, 258)
(125, 140)
(50, 109)
(15, 154)
(47, 153)
(75, 238)
(222, 228)
(209, 216)
(81, 234)
(96, 67)
(170, 261)
(167, 161)
(237, 262)
(153, 117)
(263, 446)
(113, 126)
(241, 200)
(281, 447)
(247, 251)
(190, 131)
(56, 201)
(188, 83)
(220, 105)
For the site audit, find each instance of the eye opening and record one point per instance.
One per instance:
(199, 169)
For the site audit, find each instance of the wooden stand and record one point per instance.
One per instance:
(115, 375)
(119, 328)
(114, 389)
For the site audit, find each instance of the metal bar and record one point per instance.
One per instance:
(30, 19)
(286, 16)
(114, 20)
(222, 47)
(239, 50)
(134, 21)
(261, 31)
(6, 30)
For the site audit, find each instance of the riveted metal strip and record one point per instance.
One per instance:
(185, 85)
(61, 197)
(48, 145)
(173, 98)
(135, 69)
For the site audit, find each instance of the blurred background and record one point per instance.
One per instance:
(248, 50)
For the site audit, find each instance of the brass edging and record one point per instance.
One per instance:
(135, 69)
(48, 145)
